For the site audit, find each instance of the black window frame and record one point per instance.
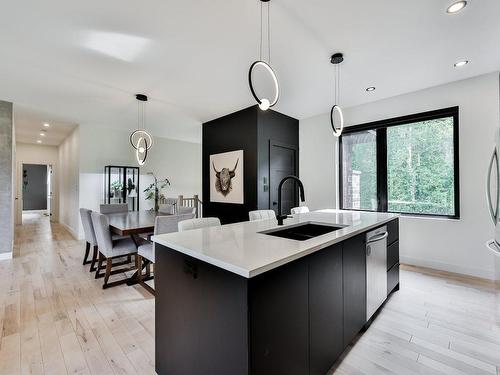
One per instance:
(381, 145)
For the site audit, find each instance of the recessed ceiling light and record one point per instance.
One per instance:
(38, 141)
(461, 63)
(46, 124)
(42, 134)
(456, 7)
(371, 88)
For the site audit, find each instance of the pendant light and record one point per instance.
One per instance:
(336, 111)
(140, 139)
(264, 103)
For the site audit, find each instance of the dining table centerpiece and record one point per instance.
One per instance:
(154, 190)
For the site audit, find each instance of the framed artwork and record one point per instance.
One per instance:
(226, 177)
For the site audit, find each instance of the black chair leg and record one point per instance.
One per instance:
(87, 251)
(94, 259)
(99, 266)
(109, 265)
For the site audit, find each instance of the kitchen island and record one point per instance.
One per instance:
(244, 299)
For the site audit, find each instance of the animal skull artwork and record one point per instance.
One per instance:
(223, 178)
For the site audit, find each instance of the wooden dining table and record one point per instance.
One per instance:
(134, 223)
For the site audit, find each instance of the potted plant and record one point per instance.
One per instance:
(154, 191)
(116, 189)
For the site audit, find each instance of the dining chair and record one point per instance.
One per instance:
(261, 215)
(203, 222)
(90, 239)
(186, 210)
(109, 249)
(146, 252)
(167, 208)
(299, 210)
(113, 208)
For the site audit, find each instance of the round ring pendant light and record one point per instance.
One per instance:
(264, 103)
(140, 139)
(337, 126)
(337, 131)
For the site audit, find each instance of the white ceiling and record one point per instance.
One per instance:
(29, 125)
(83, 61)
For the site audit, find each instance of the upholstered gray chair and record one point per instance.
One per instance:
(261, 215)
(146, 252)
(181, 210)
(299, 210)
(113, 208)
(90, 239)
(166, 208)
(110, 249)
(203, 222)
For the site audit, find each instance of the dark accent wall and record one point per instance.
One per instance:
(249, 130)
(35, 190)
(273, 127)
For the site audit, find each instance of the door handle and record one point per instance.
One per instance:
(493, 212)
(275, 203)
(368, 250)
(378, 238)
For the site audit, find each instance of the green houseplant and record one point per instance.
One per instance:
(154, 191)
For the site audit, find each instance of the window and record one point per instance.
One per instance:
(406, 165)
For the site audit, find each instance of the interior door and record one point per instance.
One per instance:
(282, 163)
(50, 195)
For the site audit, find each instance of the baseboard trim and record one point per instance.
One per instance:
(70, 230)
(5, 256)
(453, 268)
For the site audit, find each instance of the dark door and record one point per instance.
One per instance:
(34, 187)
(325, 309)
(354, 267)
(282, 163)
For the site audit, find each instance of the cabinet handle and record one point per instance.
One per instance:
(378, 238)
(191, 268)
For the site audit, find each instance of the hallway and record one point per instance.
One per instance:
(55, 318)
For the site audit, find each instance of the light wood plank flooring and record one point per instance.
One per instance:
(56, 319)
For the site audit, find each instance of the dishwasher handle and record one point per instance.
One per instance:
(379, 237)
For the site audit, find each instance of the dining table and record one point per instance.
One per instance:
(133, 224)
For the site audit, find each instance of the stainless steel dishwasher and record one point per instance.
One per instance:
(376, 269)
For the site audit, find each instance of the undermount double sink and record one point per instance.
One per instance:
(304, 231)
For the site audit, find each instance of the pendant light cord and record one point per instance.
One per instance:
(141, 115)
(336, 87)
(261, 47)
(260, 50)
(269, 32)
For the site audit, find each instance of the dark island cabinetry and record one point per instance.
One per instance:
(295, 319)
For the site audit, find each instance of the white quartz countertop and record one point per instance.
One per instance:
(241, 249)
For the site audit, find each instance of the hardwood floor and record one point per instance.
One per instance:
(56, 319)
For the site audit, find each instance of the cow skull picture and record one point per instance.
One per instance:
(226, 177)
(223, 178)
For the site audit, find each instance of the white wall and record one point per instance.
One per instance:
(69, 166)
(451, 245)
(317, 162)
(37, 154)
(178, 161)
